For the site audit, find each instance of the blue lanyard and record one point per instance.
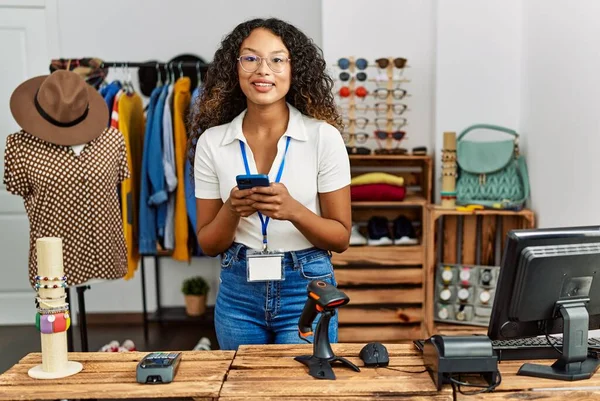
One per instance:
(265, 222)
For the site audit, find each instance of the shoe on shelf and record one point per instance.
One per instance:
(379, 231)
(203, 345)
(129, 345)
(356, 238)
(404, 232)
(112, 346)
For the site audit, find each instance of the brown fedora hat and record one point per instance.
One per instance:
(60, 108)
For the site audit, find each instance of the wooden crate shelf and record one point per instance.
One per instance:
(409, 200)
(443, 247)
(392, 255)
(381, 333)
(376, 275)
(385, 296)
(378, 315)
(386, 283)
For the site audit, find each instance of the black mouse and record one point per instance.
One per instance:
(374, 354)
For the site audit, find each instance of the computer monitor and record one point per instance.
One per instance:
(549, 283)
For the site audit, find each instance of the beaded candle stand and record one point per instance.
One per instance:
(448, 194)
(52, 319)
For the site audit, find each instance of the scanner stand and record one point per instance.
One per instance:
(319, 363)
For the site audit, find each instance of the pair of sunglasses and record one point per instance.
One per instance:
(359, 76)
(383, 93)
(361, 91)
(396, 135)
(398, 62)
(382, 108)
(360, 122)
(360, 63)
(359, 137)
(396, 122)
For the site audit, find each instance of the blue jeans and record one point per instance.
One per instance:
(267, 312)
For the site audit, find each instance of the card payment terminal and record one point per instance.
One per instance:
(158, 367)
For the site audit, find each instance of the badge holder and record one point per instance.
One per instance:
(264, 265)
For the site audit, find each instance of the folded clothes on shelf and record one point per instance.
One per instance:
(377, 186)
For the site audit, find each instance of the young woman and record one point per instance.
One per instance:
(267, 108)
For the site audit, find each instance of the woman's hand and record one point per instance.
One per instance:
(239, 202)
(275, 202)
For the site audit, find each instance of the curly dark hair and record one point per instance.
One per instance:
(222, 98)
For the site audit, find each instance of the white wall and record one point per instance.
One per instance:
(384, 28)
(527, 65)
(560, 103)
(141, 30)
(478, 67)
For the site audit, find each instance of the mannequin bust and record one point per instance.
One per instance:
(66, 165)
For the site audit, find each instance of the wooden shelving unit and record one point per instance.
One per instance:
(386, 283)
(446, 243)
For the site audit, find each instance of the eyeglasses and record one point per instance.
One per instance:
(399, 62)
(251, 62)
(361, 91)
(359, 76)
(382, 93)
(360, 122)
(397, 135)
(360, 63)
(398, 123)
(382, 108)
(359, 137)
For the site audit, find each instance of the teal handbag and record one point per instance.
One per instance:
(491, 173)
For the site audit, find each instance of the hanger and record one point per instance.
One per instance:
(168, 79)
(159, 76)
(180, 70)
(172, 71)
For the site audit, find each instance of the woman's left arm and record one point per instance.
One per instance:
(330, 231)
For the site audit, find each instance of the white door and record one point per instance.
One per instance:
(24, 41)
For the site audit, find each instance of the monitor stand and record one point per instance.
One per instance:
(574, 363)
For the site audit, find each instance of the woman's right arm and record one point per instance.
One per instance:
(217, 221)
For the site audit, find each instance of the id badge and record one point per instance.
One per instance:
(264, 266)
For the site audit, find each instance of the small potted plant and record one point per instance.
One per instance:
(194, 290)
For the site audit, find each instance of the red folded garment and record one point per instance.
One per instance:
(377, 192)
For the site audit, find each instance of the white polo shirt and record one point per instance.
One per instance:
(316, 162)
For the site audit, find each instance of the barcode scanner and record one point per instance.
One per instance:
(321, 296)
(324, 299)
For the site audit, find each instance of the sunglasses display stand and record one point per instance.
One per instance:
(448, 193)
(55, 362)
(389, 100)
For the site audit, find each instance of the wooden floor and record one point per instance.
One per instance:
(18, 341)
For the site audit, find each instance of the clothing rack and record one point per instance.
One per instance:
(159, 65)
(137, 64)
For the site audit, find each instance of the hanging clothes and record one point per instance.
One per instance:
(190, 196)
(147, 213)
(131, 124)
(170, 170)
(181, 105)
(158, 194)
(109, 92)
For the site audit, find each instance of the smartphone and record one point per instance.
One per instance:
(247, 181)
